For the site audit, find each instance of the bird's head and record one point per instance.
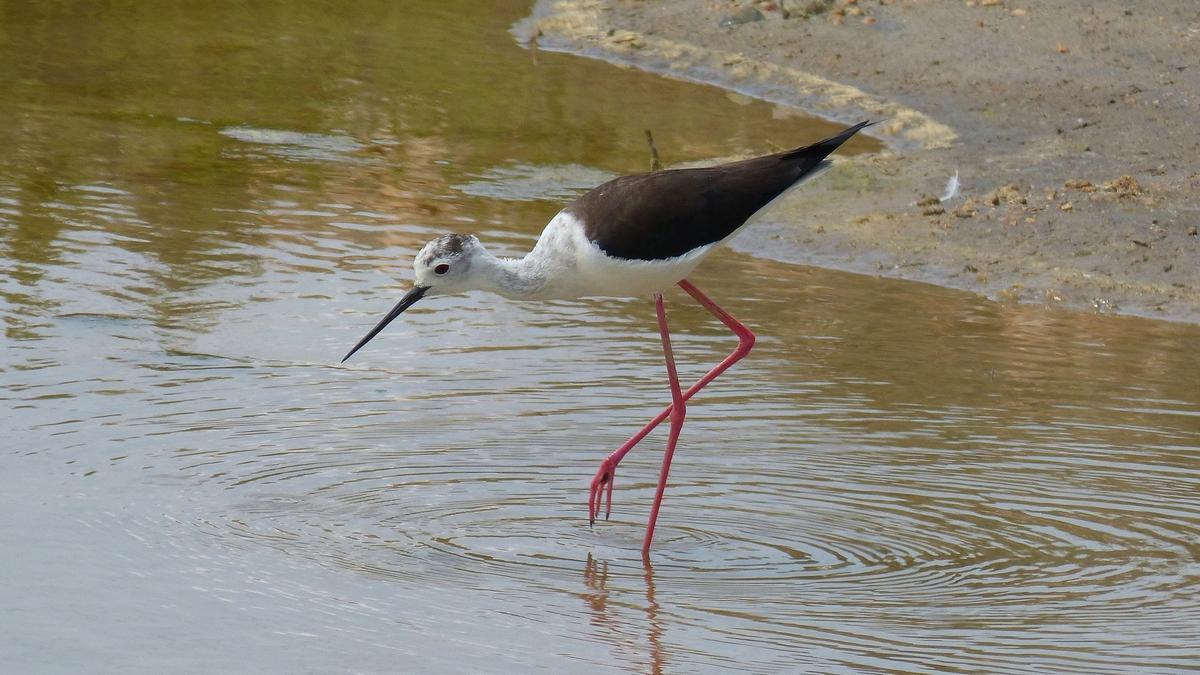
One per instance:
(442, 267)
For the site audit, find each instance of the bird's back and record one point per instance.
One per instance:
(665, 214)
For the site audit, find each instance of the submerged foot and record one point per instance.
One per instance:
(602, 486)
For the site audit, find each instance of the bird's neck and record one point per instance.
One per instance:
(516, 278)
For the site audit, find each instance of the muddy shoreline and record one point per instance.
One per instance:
(1071, 126)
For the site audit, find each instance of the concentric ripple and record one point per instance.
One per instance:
(832, 514)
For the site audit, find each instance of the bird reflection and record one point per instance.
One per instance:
(604, 614)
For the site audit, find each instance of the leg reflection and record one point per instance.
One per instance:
(655, 633)
(606, 615)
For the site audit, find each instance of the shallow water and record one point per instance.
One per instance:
(202, 208)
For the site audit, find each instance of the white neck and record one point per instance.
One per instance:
(516, 278)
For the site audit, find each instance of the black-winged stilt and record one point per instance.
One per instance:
(632, 236)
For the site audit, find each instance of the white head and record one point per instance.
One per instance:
(452, 263)
(445, 264)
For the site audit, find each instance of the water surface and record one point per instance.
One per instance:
(203, 206)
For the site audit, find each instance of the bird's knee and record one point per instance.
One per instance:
(678, 412)
(746, 342)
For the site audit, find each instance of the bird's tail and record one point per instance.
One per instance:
(822, 149)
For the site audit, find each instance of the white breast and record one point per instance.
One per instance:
(574, 267)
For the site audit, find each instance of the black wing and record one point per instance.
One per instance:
(664, 214)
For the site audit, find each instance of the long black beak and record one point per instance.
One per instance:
(410, 298)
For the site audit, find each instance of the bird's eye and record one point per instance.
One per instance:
(441, 269)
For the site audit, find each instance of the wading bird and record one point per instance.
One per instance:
(632, 236)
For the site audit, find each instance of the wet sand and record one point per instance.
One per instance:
(1070, 124)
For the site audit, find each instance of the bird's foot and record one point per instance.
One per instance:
(602, 486)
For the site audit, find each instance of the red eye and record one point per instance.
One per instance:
(441, 269)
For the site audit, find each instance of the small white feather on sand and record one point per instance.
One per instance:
(952, 187)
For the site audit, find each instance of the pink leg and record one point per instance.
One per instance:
(678, 411)
(607, 471)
